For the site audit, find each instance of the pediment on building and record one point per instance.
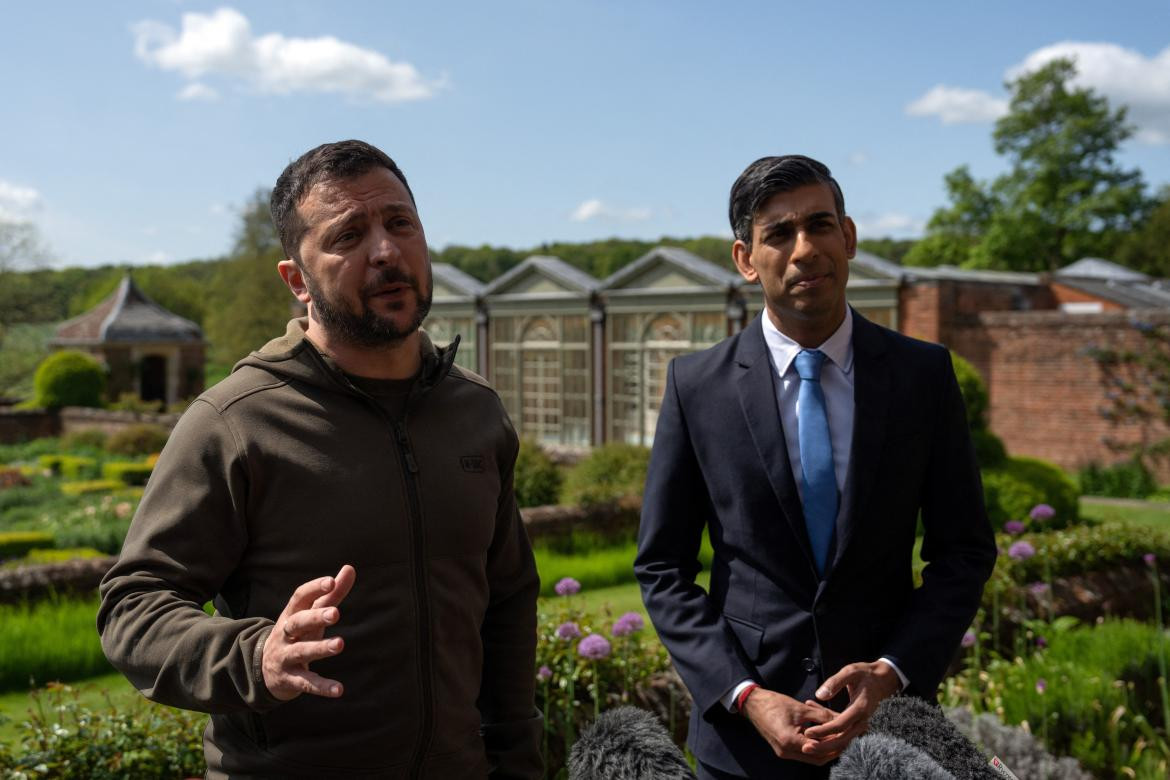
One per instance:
(542, 275)
(670, 268)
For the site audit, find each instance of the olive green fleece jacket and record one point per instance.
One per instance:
(282, 473)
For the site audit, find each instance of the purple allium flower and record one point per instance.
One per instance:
(627, 624)
(968, 639)
(1149, 558)
(594, 647)
(567, 587)
(544, 674)
(1042, 512)
(1041, 685)
(569, 630)
(1041, 642)
(1038, 588)
(1013, 527)
(1021, 550)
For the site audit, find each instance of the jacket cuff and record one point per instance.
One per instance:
(264, 700)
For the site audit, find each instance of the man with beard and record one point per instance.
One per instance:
(344, 497)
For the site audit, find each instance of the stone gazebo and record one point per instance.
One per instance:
(147, 350)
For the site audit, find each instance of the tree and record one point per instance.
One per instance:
(1148, 248)
(1064, 197)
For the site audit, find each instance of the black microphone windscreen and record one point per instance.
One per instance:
(627, 743)
(884, 757)
(924, 726)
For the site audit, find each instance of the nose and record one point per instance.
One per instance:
(383, 249)
(803, 247)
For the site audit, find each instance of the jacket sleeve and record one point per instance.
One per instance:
(510, 723)
(958, 546)
(186, 538)
(675, 508)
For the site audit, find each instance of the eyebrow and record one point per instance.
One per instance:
(356, 214)
(772, 228)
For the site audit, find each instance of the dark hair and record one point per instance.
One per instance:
(768, 176)
(335, 161)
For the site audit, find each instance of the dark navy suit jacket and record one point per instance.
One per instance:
(720, 460)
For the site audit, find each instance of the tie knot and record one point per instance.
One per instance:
(808, 364)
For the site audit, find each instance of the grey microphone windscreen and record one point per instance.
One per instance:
(885, 757)
(627, 744)
(924, 726)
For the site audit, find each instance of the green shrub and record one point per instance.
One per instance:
(1128, 479)
(131, 402)
(989, 449)
(1018, 484)
(17, 544)
(141, 439)
(51, 463)
(132, 473)
(29, 451)
(89, 440)
(88, 486)
(40, 555)
(974, 391)
(145, 741)
(610, 472)
(1077, 550)
(538, 480)
(78, 467)
(68, 378)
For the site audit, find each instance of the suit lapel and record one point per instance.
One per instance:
(871, 400)
(757, 398)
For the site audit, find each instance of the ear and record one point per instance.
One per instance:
(742, 255)
(850, 230)
(294, 277)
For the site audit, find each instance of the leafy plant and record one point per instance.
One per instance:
(68, 378)
(132, 473)
(610, 472)
(537, 479)
(141, 439)
(1018, 484)
(1128, 479)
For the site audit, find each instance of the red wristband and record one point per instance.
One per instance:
(743, 696)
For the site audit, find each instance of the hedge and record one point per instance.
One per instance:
(1012, 489)
(17, 544)
(128, 473)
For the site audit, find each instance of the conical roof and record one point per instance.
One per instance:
(127, 316)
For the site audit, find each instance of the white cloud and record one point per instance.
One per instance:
(596, 209)
(157, 258)
(17, 202)
(222, 44)
(858, 158)
(197, 90)
(891, 223)
(1125, 76)
(955, 105)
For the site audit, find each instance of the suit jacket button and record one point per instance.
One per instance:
(809, 665)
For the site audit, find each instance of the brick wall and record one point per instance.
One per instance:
(1046, 391)
(21, 425)
(78, 418)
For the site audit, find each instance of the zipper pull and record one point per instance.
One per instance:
(404, 443)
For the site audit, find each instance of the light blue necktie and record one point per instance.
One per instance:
(819, 495)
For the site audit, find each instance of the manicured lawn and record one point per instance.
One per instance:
(1137, 512)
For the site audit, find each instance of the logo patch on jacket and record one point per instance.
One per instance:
(472, 463)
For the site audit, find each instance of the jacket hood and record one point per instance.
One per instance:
(293, 356)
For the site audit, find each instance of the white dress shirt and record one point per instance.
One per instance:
(837, 387)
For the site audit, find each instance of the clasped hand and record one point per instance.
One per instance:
(298, 638)
(811, 732)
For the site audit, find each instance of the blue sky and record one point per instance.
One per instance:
(133, 131)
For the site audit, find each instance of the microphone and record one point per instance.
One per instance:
(885, 757)
(924, 726)
(627, 743)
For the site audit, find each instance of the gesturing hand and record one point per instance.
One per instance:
(868, 684)
(781, 720)
(297, 639)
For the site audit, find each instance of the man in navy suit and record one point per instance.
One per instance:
(808, 445)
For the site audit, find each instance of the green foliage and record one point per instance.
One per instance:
(974, 392)
(595, 566)
(132, 473)
(42, 555)
(892, 249)
(69, 378)
(87, 440)
(53, 639)
(1076, 550)
(131, 402)
(1092, 694)
(1064, 196)
(989, 449)
(1128, 479)
(537, 479)
(22, 348)
(64, 740)
(1148, 248)
(1011, 489)
(77, 466)
(87, 486)
(610, 472)
(17, 544)
(140, 439)
(29, 451)
(1136, 383)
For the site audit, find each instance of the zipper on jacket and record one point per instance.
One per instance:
(424, 612)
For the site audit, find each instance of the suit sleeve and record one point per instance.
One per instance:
(958, 547)
(675, 509)
(185, 540)
(511, 724)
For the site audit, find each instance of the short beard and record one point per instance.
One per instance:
(368, 329)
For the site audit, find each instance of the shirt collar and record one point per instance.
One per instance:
(838, 348)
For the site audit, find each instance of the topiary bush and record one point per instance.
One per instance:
(141, 439)
(68, 378)
(132, 474)
(610, 472)
(1013, 488)
(1128, 479)
(537, 479)
(17, 544)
